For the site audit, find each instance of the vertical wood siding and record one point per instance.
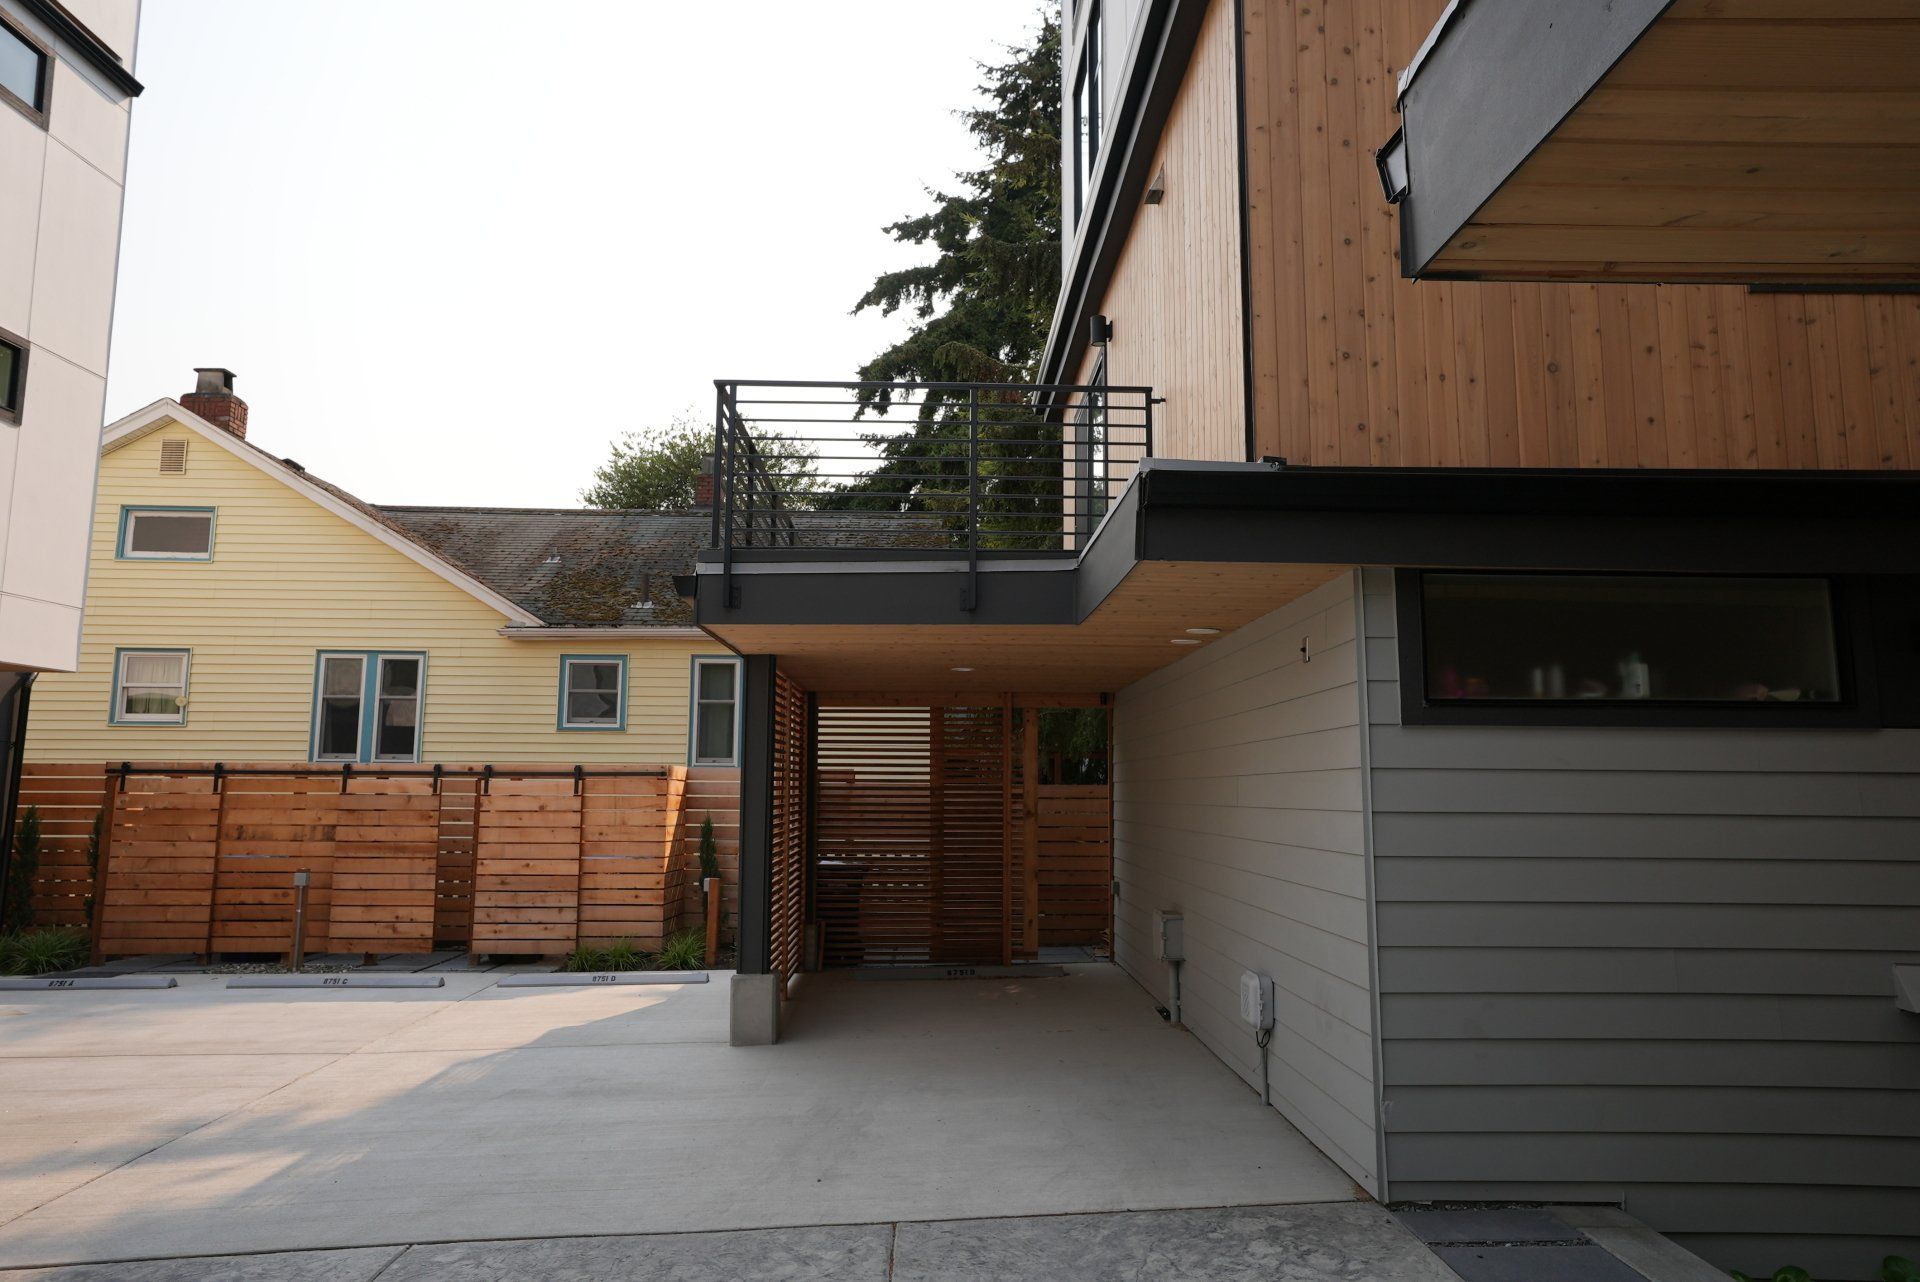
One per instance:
(1652, 965)
(1355, 366)
(1175, 294)
(289, 578)
(1237, 800)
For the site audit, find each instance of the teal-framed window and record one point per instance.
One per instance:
(593, 692)
(165, 534)
(150, 686)
(368, 705)
(713, 721)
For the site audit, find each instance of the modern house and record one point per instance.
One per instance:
(242, 609)
(66, 96)
(1512, 671)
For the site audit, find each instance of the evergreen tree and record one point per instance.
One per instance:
(981, 307)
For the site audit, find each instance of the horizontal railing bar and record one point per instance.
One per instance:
(1108, 388)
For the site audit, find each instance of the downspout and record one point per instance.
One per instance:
(1246, 226)
(1377, 1039)
(17, 701)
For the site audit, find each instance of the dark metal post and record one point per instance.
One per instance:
(719, 443)
(726, 520)
(13, 748)
(756, 815)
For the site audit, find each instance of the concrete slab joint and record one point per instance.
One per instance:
(753, 1016)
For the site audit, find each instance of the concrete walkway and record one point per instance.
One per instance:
(200, 1121)
(1341, 1242)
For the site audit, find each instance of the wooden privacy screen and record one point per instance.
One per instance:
(791, 779)
(913, 820)
(554, 867)
(1075, 863)
(195, 860)
(68, 799)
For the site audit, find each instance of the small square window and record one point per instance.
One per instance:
(13, 377)
(166, 534)
(593, 692)
(23, 72)
(150, 687)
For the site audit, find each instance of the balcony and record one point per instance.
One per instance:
(920, 471)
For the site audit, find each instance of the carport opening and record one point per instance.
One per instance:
(937, 830)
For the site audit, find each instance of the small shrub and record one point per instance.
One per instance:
(44, 952)
(586, 957)
(16, 913)
(1897, 1268)
(709, 853)
(1791, 1273)
(683, 950)
(622, 955)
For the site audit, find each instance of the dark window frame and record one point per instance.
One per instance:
(36, 112)
(1085, 120)
(13, 396)
(1858, 706)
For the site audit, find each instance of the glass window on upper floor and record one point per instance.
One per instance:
(1086, 112)
(23, 71)
(166, 534)
(13, 378)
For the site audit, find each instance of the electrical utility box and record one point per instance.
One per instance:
(1169, 935)
(1256, 1000)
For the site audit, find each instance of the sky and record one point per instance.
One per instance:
(452, 248)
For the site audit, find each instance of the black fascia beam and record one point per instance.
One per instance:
(754, 942)
(1674, 522)
(91, 48)
(874, 593)
(1492, 85)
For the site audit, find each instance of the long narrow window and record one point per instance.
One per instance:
(150, 687)
(716, 712)
(13, 376)
(1086, 112)
(593, 692)
(367, 706)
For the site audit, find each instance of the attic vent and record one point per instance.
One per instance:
(552, 560)
(173, 457)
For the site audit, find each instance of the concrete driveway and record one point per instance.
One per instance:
(199, 1121)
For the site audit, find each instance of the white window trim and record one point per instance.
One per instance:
(178, 717)
(319, 700)
(419, 704)
(693, 710)
(132, 516)
(618, 721)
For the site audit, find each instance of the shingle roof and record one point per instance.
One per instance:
(578, 567)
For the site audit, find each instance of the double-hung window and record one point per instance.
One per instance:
(13, 376)
(716, 712)
(150, 687)
(367, 706)
(166, 534)
(593, 692)
(24, 72)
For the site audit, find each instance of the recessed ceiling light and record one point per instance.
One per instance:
(1203, 632)
(963, 669)
(1185, 641)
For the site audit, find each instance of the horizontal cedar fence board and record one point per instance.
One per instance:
(1075, 863)
(394, 865)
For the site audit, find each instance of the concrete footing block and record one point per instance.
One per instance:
(753, 1016)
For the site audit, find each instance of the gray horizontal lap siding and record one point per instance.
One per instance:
(1238, 800)
(1651, 965)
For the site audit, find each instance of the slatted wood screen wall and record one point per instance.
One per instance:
(1075, 864)
(912, 833)
(69, 799)
(191, 866)
(791, 786)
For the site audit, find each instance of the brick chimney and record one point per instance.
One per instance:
(212, 398)
(703, 485)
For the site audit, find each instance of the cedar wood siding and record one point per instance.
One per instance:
(1355, 366)
(1238, 800)
(1651, 964)
(289, 578)
(1175, 295)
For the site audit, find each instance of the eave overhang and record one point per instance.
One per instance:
(1662, 140)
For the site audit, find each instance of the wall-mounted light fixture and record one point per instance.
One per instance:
(1157, 189)
(1099, 331)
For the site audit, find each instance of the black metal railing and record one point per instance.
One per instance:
(929, 469)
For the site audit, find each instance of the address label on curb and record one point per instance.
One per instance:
(337, 981)
(597, 978)
(44, 983)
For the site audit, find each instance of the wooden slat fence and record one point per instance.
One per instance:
(1075, 838)
(397, 857)
(792, 785)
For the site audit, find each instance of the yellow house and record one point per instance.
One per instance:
(240, 609)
